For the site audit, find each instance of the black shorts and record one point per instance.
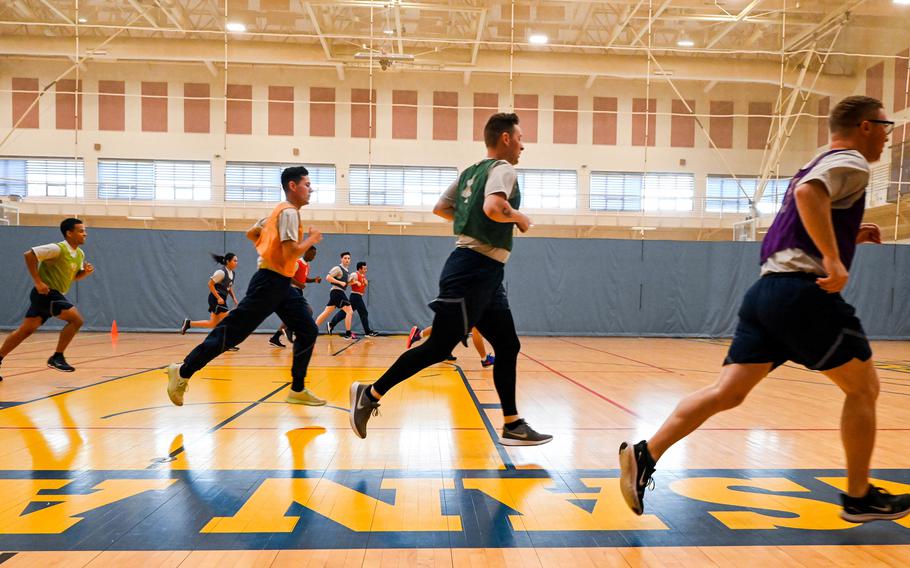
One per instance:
(338, 299)
(788, 317)
(46, 306)
(471, 284)
(215, 307)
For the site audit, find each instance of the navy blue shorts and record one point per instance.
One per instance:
(338, 299)
(470, 284)
(46, 306)
(215, 307)
(787, 317)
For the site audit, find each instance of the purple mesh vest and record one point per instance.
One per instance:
(787, 230)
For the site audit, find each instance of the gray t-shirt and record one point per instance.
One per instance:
(845, 175)
(288, 226)
(500, 179)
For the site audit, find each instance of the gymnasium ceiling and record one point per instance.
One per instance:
(733, 40)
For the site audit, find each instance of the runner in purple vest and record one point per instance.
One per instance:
(795, 313)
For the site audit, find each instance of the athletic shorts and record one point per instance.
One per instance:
(788, 317)
(338, 299)
(47, 305)
(471, 285)
(215, 307)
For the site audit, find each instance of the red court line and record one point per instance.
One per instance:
(620, 356)
(576, 383)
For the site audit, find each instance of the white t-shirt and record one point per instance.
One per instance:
(219, 274)
(52, 251)
(500, 179)
(845, 176)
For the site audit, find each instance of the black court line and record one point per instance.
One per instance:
(503, 454)
(348, 346)
(105, 358)
(6, 556)
(4, 405)
(215, 428)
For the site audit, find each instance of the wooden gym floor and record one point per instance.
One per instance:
(97, 468)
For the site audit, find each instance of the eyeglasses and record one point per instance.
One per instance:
(889, 124)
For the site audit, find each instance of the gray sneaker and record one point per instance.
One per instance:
(362, 407)
(523, 435)
(176, 385)
(303, 397)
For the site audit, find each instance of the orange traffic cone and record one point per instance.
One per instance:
(114, 333)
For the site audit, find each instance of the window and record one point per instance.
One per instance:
(724, 194)
(12, 177)
(410, 186)
(548, 189)
(183, 181)
(54, 177)
(773, 196)
(262, 182)
(631, 191)
(154, 180)
(615, 191)
(119, 179)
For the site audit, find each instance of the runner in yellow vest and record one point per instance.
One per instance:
(53, 267)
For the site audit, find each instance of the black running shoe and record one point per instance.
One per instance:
(877, 505)
(58, 362)
(185, 326)
(275, 341)
(636, 467)
(362, 406)
(521, 434)
(350, 336)
(329, 327)
(372, 334)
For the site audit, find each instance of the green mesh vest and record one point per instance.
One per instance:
(58, 273)
(470, 219)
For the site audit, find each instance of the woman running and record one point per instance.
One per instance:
(221, 284)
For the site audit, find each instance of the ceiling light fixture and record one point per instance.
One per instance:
(235, 27)
(685, 42)
(388, 32)
(83, 20)
(538, 39)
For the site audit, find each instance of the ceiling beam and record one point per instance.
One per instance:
(736, 21)
(60, 14)
(318, 30)
(624, 21)
(478, 33)
(292, 55)
(832, 18)
(398, 27)
(646, 27)
(138, 7)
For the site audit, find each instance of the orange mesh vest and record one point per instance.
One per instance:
(269, 244)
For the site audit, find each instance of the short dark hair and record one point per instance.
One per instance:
(69, 224)
(361, 264)
(344, 253)
(852, 111)
(292, 174)
(496, 125)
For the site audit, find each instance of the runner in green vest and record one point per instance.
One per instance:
(483, 206)
(53, 268)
